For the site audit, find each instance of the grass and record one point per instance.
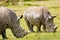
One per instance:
(53, 7)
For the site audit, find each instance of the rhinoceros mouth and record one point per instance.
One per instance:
(19, 36)
(55, 29)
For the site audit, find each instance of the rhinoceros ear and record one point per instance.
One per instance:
(53, 16)
(19, 17)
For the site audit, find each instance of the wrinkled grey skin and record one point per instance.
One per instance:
(8, 19)
(39, 16)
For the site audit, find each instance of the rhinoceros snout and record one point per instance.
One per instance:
(21, 35)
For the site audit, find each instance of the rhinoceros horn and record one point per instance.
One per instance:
(19, 17)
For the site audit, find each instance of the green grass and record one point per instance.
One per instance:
(53, 7)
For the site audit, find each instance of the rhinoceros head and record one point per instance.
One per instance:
(50, 24)
(17, 30)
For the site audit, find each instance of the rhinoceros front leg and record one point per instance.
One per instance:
(4, 31)
(44, 28)
(39, 28)
(4, 34)
(30, 26)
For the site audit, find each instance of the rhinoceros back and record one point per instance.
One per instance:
(33, 17)
(7, 16)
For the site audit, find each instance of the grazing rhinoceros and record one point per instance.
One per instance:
(39, 16)
(8, 19)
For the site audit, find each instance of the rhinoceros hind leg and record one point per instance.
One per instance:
(44, 28)
(30, 26)
(4, 35)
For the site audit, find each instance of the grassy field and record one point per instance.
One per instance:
(53, 7)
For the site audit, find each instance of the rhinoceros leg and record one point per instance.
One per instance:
(4, 31)
(30, 26)
(44, 28)
(4, 35)
(39, 28)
